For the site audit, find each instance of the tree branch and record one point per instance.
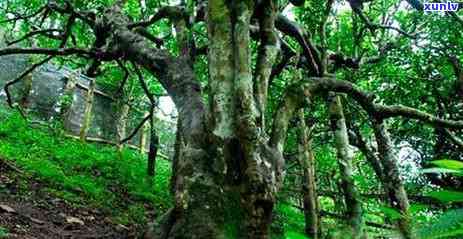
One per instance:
(292, 29)
(145, 33)
(48, 51)
(124, 80)
(454, 138)
(144, 86)
(267, 53)
(21, 77)
(313, 86)
(21, 17)
(458, 71)
(135, 131)
(170, 12)
(377, 111)
(287, 54)
(356, 7)
(33, 33)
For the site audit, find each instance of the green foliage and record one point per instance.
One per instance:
(448, 164)
(86, 173)
(448, 225)
(390, 212)
(290, 221)
(447, 196)
(295, 235)
(3, 232)
(441, 170)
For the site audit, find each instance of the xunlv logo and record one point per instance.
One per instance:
(441, 7)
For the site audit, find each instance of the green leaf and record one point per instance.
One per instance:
(440, 170)
(447, 196)
(390, 212)
(448, 164)
(415, 208)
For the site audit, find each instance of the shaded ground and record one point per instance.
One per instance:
(27, 211)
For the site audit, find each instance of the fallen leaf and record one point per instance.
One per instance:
(121, 227)
(74, 220)
(35, 220)
(7, 208)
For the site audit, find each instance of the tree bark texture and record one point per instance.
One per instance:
(392, 182)
(154, 146)
(344, 155)
(309, 189)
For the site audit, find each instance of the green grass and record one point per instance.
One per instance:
(84, 173)
(294, 235)
(291, 220)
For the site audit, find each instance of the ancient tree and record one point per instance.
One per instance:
(229, 162)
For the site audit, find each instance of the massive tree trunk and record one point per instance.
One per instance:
(199, 200)
(344, 155)
(309, 189)
(226, 177)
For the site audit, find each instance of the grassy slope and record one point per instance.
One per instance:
(96, 175)
(86, 173)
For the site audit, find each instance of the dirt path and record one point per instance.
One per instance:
(35, 214)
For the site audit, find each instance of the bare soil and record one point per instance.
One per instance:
(29, 212)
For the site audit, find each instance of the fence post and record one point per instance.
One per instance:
(68, 97)
(122, 122)
(88, 111)
(26, 91)
(143, 136)
(154, 145)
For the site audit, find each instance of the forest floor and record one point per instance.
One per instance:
(28, 211)
(52, 186)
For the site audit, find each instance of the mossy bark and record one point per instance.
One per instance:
(392, 182)
(309, 188)
(344, 155)
(221, 149)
